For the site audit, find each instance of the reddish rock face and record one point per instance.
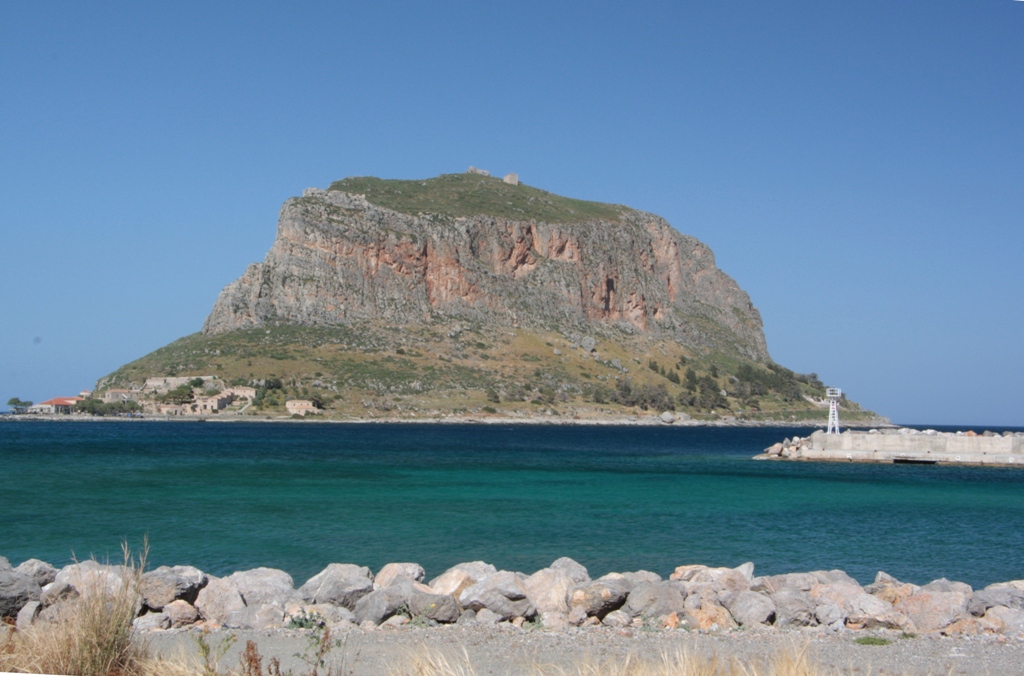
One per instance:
(338, 258)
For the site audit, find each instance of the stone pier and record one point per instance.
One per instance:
(904, 446)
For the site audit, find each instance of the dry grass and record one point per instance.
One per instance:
(90, 635)
(792, 662)
(430, 662)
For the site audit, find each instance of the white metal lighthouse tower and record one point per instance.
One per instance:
(833, 394)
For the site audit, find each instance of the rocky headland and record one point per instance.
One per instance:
(340, 257)
(463, 295)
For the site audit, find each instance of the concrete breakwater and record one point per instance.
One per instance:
(904, 446)
(349, 597)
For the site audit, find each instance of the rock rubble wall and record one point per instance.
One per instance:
(563, 595)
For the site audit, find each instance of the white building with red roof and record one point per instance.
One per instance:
(56, 405)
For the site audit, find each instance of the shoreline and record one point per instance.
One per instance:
(627, 421)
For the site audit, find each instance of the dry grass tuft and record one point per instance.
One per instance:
(792, 662)
(432, 662)
(678, 663)
(91, 634)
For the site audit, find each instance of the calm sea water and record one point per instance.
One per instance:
(228, 497)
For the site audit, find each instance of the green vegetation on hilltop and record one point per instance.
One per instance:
(467, 195)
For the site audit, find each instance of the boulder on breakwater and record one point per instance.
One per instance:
(558, 597)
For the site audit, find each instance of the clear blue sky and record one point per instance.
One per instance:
(858, 167)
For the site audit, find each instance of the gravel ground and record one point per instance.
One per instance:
(510, 650)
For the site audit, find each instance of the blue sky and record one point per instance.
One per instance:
(858, 167)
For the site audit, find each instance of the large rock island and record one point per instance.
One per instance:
(468, 295)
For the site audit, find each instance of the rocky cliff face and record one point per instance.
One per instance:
(341, 257)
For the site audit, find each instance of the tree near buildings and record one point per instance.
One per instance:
(17, 405)
(180, 395)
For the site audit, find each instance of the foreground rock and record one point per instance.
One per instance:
(16, 589)
(601, 596)
(459, 577)
(219, 599)
(548, 589)
(165, 585)
(656, 599)
(40, 571)
(340, 584)
(389, 573)
(265, 586)
(557, 597)
(502, 593)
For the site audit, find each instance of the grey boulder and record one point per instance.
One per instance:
(28, 614)
(181, 613)
(456, 579)
(55, 592)
(866, 605)
(834, 577)
(475, 569)
(487, 617)
(981, 601)
(502, 593)
(642, 577)
(379, 605)
(944, 585)
(16, 589)
(330, 614)
(554, 621)
(218, 599)
(392, 571)
(656, 599)
(166, 584)
(749, 608)
(732, 581)
(110, 579)
(1010, 620)
(151, 622)
(830, 615)
(794, 608)
(264, 586)
(576, 571)
(438, 607)
(791, 581)
(40, 571)
(548, 590)
(339, 584)
(617, 618)
(601, 596)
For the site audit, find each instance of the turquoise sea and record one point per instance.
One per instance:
(298, 496)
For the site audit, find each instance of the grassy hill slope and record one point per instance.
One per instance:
(376, 370)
